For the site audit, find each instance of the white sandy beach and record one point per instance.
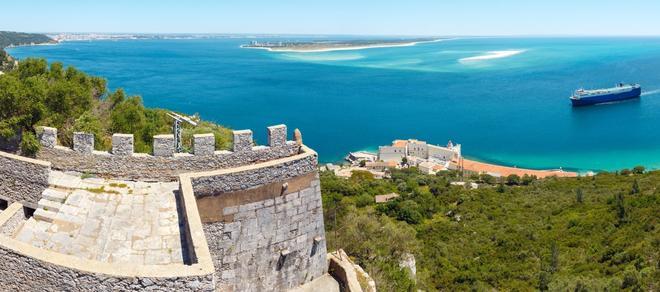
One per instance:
(409, 44)
(492, 55)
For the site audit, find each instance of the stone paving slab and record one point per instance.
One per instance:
(110, 221)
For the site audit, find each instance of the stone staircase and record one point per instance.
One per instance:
(50, 203)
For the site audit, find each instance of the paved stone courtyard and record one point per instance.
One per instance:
(108, 221)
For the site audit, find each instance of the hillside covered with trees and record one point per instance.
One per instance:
(10, 38)
(595, 233)
(41, 94)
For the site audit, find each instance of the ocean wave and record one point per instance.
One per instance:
(651, 92)
(492, 55)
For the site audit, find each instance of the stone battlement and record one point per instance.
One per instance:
(163, 163)
(250, 219)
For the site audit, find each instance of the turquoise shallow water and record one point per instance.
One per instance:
(512, 110)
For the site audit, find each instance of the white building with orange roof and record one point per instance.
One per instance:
(413, 148)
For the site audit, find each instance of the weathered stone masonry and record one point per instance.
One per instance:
(22, 179)
(38, 275)
(27, 268)
(264, 224)
(164, 164)
(253, 215)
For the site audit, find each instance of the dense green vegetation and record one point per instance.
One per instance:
(11, 38)
(39, 94)
(6, 61)
(595, 233)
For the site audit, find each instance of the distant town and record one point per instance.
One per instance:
(127, 36)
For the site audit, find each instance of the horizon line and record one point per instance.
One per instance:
(345, 34)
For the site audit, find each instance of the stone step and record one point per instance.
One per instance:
(49, 205)
(26, 232)
(43, 215)
(54, 195)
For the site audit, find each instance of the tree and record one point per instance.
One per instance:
(89, 123)
(638, 169)
(377, 243)
(404, 160)
(409, 211)
(513, 179)
(527, 179)
(579, 196)
(116, 97)
(579, 287)
(500, 188)
(128, 117)
(543, 281)
(32, 67)
(635, 187)
(363, 163)
(554, 257)
(487, 178)
(29, 144)
(361, 175)
(620, 209)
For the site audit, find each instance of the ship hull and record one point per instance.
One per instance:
(612, 97)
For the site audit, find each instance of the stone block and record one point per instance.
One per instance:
(48, 137)
(242, 140)
(277, 136)
(164, 145)
(122, 144)
(83, 142)
(203, 144)
(54, 195)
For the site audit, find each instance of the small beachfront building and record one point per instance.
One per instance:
(412, 148)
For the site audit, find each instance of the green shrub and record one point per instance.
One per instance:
(29, 144)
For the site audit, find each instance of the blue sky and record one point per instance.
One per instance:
(367, 17)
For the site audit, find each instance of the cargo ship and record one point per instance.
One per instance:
(619, 92)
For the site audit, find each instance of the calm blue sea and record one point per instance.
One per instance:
(504, 99)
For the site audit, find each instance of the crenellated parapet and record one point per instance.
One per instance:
(249, 219)
(163, 163)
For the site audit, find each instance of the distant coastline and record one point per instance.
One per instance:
(329, 46)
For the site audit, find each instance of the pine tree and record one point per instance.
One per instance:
(620, 208)
(543, 281)
(554, 259)
(579, 196)
(635, 187)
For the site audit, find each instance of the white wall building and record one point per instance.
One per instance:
(419, 149)
(391, 153)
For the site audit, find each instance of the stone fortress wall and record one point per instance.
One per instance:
(263, 222)
(163, 163)
(253, 215)
(22, 179)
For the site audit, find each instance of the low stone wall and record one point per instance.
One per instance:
(349, 274)
(22, 179)
(19, 272)
(263, 223)
(164, 164)
(242, 178)
(24, 267)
